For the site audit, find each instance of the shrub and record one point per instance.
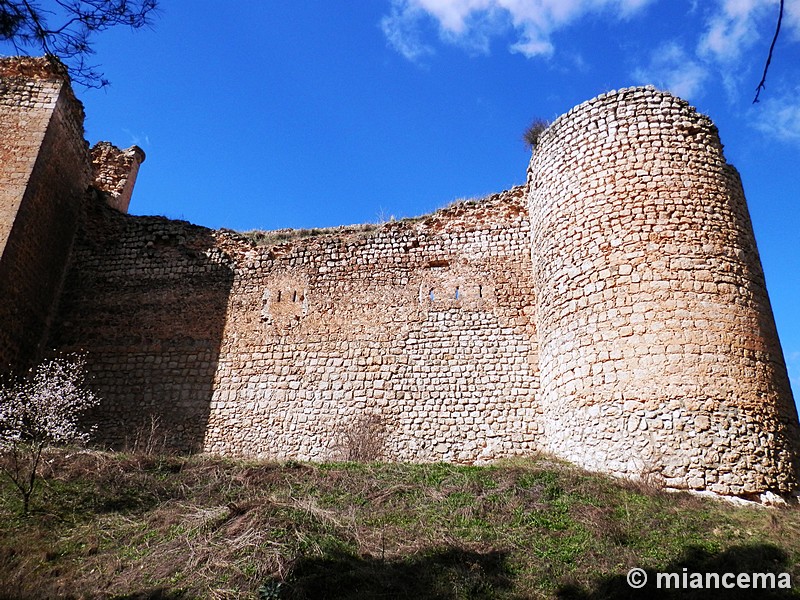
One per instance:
(534, 132)
(150, 438)
(362, 439)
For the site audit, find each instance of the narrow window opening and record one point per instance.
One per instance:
(458, 293)
(279, 296)
(480, 291)
(431, 295)
(294, 296)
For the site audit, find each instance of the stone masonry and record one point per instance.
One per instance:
(611, 311)
(44, 174)
(115, 172)
(658, 349)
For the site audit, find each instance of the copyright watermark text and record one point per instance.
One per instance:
(637, 578)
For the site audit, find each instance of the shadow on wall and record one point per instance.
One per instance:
(43, 177)
(749, 559)
(761, 339)
(145, 299)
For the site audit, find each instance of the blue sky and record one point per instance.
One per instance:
(307, 114)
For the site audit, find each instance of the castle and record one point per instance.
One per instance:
(611, 311)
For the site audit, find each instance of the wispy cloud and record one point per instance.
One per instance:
(671, 67)
(137, 139)
(779, 117)
(465, 21)
(732, 28)
(730, 31)
(402, 28)
(792, 19)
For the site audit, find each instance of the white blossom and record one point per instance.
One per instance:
(41, 410)
(45, 407)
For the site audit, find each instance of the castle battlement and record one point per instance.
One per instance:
(611, 311)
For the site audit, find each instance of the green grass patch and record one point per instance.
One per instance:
(107, 525)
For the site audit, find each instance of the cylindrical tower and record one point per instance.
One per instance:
(659, 355)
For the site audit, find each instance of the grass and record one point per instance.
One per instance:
(108, 525)
(283, 236)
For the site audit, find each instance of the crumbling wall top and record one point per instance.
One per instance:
(36, 68)
(24, 78)
(114, 172)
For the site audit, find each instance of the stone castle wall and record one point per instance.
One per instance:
(658, 346)
(426, 324)
(146, 301)
(277, 350)
(612, 311)
(44, 173)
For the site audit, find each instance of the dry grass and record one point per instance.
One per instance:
(149, 437)
(283, 236)
(138, 526)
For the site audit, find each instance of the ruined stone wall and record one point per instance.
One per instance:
(658, 349)
(612, 311)
(281, 349)
(43, 178)
(146, 301)
(114, 172)
(426, 324)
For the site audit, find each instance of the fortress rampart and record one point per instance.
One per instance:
(611, 311)
(44, 175)
(658, 348)
(273, 350)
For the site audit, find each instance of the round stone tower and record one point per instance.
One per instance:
(659, 355)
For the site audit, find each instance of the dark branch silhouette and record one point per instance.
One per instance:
(65, 27)
(763, 83)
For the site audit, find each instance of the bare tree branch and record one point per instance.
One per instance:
(763, 83)
(65, 29)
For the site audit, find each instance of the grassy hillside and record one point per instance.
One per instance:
(119, 526)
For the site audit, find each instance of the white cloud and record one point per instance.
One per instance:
(791, 18)
(402, 31)
(726, 51)
(734, 32)
(672, 68)
(779, 117)
(137, 139)
(451, 14)
(733, 28)
(736, 26)
(462, 21)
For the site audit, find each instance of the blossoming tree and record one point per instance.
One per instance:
(39, 411)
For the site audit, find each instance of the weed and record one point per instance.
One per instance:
(270, 590)
(283, 236)
(534, 131)
(149, 438)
